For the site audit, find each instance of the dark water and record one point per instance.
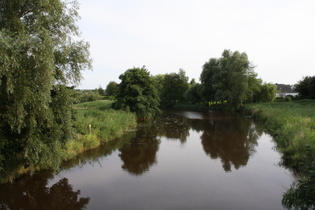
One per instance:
(182, 160)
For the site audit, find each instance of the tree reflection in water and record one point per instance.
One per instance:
(173, 126)
(140, 154)
(33, 193)
(233, 140)
(230, 137)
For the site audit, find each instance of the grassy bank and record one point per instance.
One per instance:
(292, 124)
(95, 123)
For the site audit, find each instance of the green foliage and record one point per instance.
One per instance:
(255, 87)
(194, 94)
(207, 79)
(301, 194)
(137, 93)
(158, 82)
(173, 89)
(306, 87)
(38, 58)
(230, 78)
(111, 88)
(87, 95)
(266, 93)
(288, 98)
(101, 91)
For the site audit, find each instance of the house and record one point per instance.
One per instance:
(284, 90)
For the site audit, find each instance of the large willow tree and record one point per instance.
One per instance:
(230, 78)
(40, 54)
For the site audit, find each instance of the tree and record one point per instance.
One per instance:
(174, 87)
(158, 82)
(137, 93)
(207, 77)
(306, 87)
(193, 94)
(111, 88)
(231, 81)
(230, 78)
(267, 93)
(255, 87)
(38, 58)
(101, 91)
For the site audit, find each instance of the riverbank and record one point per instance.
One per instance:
(292, 124)
(95, 123)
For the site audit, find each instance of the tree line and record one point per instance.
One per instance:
(229, 80)
(226, 82)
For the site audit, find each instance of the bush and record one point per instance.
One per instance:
(288, 98)
(86, 96)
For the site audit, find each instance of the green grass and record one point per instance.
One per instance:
(96, 123)
(292, 124)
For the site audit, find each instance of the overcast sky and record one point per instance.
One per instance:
(166, 35)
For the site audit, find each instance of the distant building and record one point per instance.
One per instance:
(284, 90)
(283, 95)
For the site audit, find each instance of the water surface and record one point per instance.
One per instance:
(182, 160)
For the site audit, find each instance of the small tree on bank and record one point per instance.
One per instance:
(267, 93)
(174, 86)
(137, 93)
(111, 88)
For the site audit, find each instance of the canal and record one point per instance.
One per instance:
(180, 160)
